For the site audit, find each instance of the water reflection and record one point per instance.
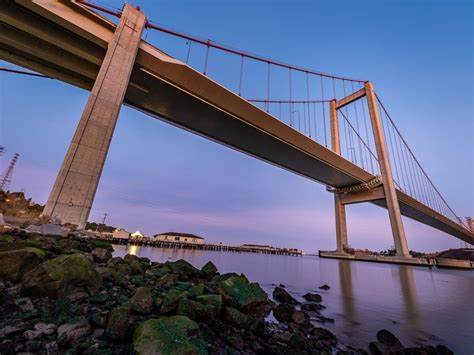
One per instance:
(345, 279)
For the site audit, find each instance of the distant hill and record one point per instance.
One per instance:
(459, 254)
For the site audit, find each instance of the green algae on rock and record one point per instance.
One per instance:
(62, 276)
(168, 336)
(239, 293)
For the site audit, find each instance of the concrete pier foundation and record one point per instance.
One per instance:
(71, 198)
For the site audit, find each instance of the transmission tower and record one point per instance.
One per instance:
(6, 179)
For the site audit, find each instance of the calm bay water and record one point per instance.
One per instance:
(419, 305)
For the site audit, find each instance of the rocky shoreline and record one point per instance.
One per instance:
(70, 296)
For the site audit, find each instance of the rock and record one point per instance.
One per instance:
(32, 346)
(171, 300)
(197, 290)
(154, 272)
(281, 295)
(324, 287)
(45, 328)
(15, 263)
(323, 334)
(7, 347)
(184, 270)
(71, 332)
(67, 245)
(284, 312)
(95, 243)
(123, 268)
(248, 297)
(9, 330)
(195, 310)
(142, 302)
(312, 297)
(387, 343)
(167, 280)
(213, 300)
(236, 317)
(299, 341)
(312, 307)
(117, 324)
(209, 270)
(300, 318)
(387, 338)
(218, 278)
(101, 255)
(61, 277)
(167, 335)
(99, 320)
(32, 334)
(24, 304)
(91, 349)
(282, 286)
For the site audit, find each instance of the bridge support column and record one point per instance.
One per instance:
(340, 209)
(393, 206)
(73, 192)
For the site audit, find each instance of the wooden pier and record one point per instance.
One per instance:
(206, 247)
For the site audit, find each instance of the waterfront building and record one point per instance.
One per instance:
(178, 238)
(137, 235)
(120, 234)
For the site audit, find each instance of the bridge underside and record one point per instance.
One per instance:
(67, 42)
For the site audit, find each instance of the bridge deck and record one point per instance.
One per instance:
(68, 42)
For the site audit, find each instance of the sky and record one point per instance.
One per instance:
(160, 178)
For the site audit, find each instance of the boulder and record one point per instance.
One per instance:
(142, 301)
(171, 300)
(284, 312)
(312, 297)
(24, 304)
(195, 310)
(95, 243)
(387, 343)
(15, 263)
(321, 334)
(168, 335)
(300, 318)
(45, 328)
(184, 270)
(324, 287)
(248, 297)
(211, 299)
(101, 255)
(61, 277)
(209, 270)
(70, 333)
(237, 318)
(281, 295)
(167, 280)
(197, 290)
(66, 245)
(117, 324)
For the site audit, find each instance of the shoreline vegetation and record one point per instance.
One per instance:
(62, 295)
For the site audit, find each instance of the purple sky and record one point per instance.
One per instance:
(159, 178)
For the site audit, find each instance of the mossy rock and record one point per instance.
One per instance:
(167, 336)
(212, 299)
(154, 272)
(62, 276)
(18, 245)
(96, 243)
(195, 310)
(184, 270)
(15, 263)
(117, 323)
(237, 292)
(6, 238)
(219, 278)
(142, 301)
(197, 290)
(209, 270)
(237, 318)
(171, 300)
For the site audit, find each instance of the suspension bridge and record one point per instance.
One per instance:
(331, 129)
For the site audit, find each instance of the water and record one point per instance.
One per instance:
(419, 305)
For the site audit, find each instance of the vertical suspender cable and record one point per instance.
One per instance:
(324, 111)
(307, 98)
(358, 130)
(367, 136)
(290, 104)
(207, 56)
(268, 87)
(241, 73)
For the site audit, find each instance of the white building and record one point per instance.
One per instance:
(137, 235)
(178, 238)
(121, 234)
